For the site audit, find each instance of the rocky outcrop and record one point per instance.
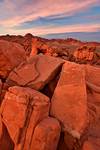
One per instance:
(48, 103)
(11, 55)
(68, 49)
(93, 100)
(24, 41)
(22, 110)
(21, 101)
(84, 53)
(69, 102)
(31, 73)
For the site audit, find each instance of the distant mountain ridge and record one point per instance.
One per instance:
(83, 36)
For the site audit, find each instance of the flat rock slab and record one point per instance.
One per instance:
(36, 72)
(11, 55)
(69, 102)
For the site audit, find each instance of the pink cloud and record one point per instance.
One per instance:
(94, 17)
(43, 8)
(60, 29)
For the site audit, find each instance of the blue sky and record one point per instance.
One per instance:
(51, 17)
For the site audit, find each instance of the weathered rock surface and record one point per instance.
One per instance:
(85, 53)
(46, 135)
(63, 48)
(68, 49)
(24, 41)
(22, 109)
(11, 55)
(93, 99)
(31, 73)
(26, 115)
(69, 102)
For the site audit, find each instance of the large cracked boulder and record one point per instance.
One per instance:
(35, 72)
(69, 102)
(22, 110)
(11, 55)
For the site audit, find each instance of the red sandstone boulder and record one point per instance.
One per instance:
(36, 72)
(69, 102)
(11, 55)
(93, 101)
(22, 109)
(46, 135)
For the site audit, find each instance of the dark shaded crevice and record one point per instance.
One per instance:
(49, 88)
(61, 143)
(6, 142)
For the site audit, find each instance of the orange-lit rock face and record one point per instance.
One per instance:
(24, 41)
(84, 53)
(39, 46)
(36, 72)
(46, 135)
(25, 114)
(69, 102)
(35, 45)
(11, 55)
(22, 109)
(93, 99)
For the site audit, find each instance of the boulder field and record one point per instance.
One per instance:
(46, 102)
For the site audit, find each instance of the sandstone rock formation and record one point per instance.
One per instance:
(68, 49)
(24, 41)
(93, 99)
(22, 109)
(84, 53)
(46, 102)
(69, 102)
(31, 73)
(11, 55)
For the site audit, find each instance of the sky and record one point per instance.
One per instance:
(51, 18)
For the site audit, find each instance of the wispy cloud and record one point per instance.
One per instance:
(60, 29)
(22, 11)
(14, 13)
